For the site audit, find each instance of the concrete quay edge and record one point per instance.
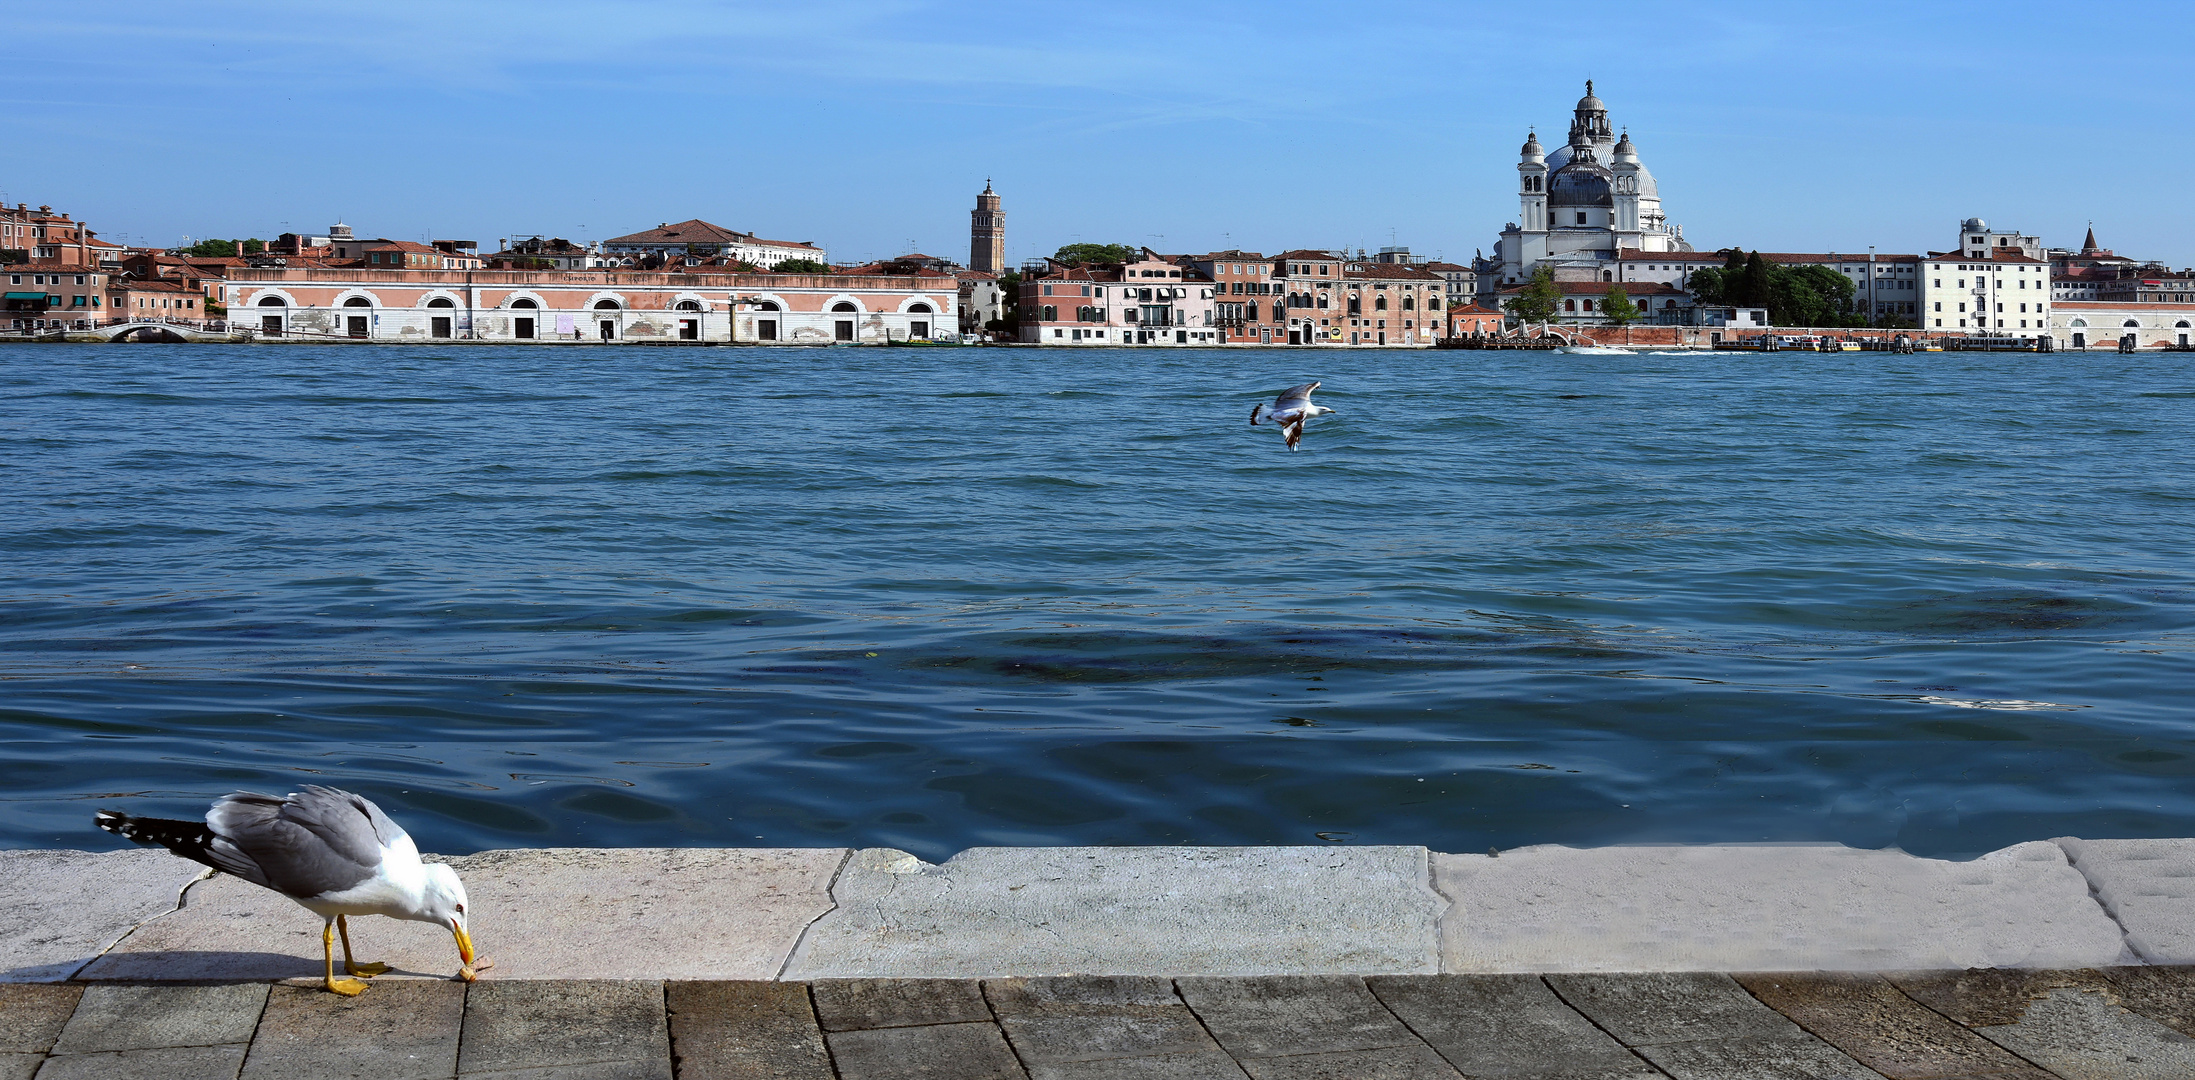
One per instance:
(824, 913)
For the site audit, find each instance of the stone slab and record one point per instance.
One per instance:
(20, 1066)
(1703, 1026)
(580, 1028)
(2149, 887)
(31, 1015)
(991, 912)
(1874, 1023)
(167, 1063)
(1646, 1010)
(936, 1052)
(1273, 1016)
(1417, 1062)
(114, 1018)
(399, 1031)
(1092, 1018)
(2164, 994)
(1766, 908)
(862, 1004)
(1506, 1027)
(1769, 1059)
(60, 909)
(552, 913)
(2068, 1022)
(747, 1030)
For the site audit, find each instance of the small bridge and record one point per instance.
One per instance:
(101, 330)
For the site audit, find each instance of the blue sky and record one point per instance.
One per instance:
(870, 126)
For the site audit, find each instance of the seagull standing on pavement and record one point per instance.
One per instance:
(1290, 410)
(334, 852)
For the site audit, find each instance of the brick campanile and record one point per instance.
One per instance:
(987, 234)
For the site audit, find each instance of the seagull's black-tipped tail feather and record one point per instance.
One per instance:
(190, 839)
(1254, 413)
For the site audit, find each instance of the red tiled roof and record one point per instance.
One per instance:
(1444, 267)
(1307, 255)
(1600, 288)
(1391, 271)
(1716, 259)
(1996, 255)
(697, 231)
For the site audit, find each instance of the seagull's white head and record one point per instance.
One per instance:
(443, 902)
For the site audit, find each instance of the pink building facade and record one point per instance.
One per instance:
(1147, 302)
(597, 307)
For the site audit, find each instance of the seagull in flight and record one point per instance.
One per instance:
(1290, 410)
(334, 852)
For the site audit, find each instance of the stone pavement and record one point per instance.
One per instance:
(2131, 1022)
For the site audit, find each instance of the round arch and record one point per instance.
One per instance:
(523, 301)
(439, 298)
(272, 298)
(688, 301)
(845, 303)
(353, 298)
(607, 301)
(922, 305)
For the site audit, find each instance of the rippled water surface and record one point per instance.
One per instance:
(940, 598)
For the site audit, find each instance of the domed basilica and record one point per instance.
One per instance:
(1580, 205)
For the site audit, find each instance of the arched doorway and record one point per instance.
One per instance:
(606, 318)
(271, 324)
(522, 326)
(440, 325)
(357, 325)
(843, 329)
(919, 326)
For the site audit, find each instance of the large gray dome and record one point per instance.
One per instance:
(1583, 182)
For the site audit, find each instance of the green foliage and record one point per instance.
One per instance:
(254, 246)
(1536, 302)
(211, 249)
(800, 266)
(1793, 295)
(1619, 309)
(1081, 254)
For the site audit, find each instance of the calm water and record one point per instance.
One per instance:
(941, 598)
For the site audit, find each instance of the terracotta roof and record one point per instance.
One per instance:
(130, 284)
(1230, 255)
(697, 231)
(1306, 255)
(2011, 255)
(975, 275)
(1600, 288)
(1471, 309)
(1443, 267)
(403, 245)
(1392, 272)
(1717, 259)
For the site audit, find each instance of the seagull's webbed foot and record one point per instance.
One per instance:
(351, 966)
(345, 987)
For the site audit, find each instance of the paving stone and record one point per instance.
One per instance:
(31, 1016)
(2164, 994)
(1987, 998)
(2149, 887)
(1766, 908)
(1278, 1015)
(1211, 1065)
(555, 913)
(1386, 1063)
(60, 909)
(860, 1004)
(1764, 1059)
(166, 1063)
(748, 1030)
(1058, 1021)
(112, 1018)
(397, 1031)
(583, 1028)
(2070, 1023)
(1874, 1023)
(1506, 1027)
(1648, 1009)
(936, 1052)
(994, 912)
(20, 1066)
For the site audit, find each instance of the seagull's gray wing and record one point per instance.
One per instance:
(1299, 395)
(319, 840)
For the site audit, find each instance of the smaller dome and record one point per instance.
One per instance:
(1975, 224)
(1532, 151)
(1624, 150)
(1589, 103)
(1583, 182)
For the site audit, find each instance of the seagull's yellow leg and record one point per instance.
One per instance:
(345, 987)
(350, 966)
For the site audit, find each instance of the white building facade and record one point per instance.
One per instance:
(1579, 206)
(1993, 282)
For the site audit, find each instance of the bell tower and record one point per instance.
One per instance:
(987, 233)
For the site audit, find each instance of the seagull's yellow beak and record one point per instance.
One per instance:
(464, 942)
